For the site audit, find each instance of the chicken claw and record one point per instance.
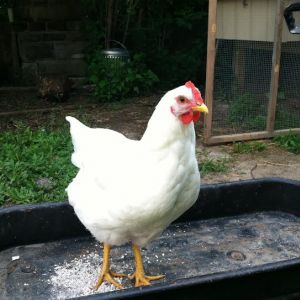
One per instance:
(142, 279)
(106, 274)
(139, 275)
(109, 277)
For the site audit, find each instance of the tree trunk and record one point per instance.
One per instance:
(110, 5)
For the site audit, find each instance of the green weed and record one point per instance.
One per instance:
(290, 142)
(210, 165)
(249, 147)
(247, 111)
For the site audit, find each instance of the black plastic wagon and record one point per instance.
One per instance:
(241, 240)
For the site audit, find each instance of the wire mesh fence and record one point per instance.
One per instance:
(288, 99)
(253, 71)
(241, 86)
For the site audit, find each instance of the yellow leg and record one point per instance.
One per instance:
(139, 274)
(106, 274)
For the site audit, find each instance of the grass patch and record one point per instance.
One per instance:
(29, 156)
(209, 165)
(290, 142)
(250, 147)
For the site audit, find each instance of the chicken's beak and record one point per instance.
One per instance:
(202, 108)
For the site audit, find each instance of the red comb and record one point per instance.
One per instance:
(195, 91)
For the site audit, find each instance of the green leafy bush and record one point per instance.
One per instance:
(176, 68)
(172, 34)
(286, 117)
(291, 142)
(248, 112)
(116, 79)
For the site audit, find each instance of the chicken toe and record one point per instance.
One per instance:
(141, 279)
(109, 277)
(139, 275)
(106, 274)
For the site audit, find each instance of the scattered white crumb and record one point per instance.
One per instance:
(78, 277)
(15, 257)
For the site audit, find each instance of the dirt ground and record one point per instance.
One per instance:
(272, 162)
(131, 117)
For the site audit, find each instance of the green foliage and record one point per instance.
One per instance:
(117, 79)
(6, 3)
(176, 34)
(3, 10)
(249, 147)
(248, 112)
(210, 165)
(28, 155)
(172, 35)
(286, 117)
(290, 142)
(176, 68)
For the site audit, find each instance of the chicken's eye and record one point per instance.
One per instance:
(181, 99)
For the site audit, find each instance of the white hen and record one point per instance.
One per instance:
(130, 191)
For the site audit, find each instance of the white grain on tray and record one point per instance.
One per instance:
(78, 277)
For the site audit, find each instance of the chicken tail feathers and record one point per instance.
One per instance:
(78, 133)
(75, 124)
(91, 144)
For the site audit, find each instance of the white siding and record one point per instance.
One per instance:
(254, 21)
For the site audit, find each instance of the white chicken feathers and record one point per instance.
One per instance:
(129, 190)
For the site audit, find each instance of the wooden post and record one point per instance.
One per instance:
(210, 67)
(275, 67)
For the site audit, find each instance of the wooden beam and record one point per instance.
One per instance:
(222, 139)
(286, 131)
(210, 66)
(275, 67)
(48, 109)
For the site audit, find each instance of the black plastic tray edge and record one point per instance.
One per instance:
(64, 224)
(259, 282)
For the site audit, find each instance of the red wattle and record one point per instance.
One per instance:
(196, 116)
(187, 118)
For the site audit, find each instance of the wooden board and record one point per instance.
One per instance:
(210, 66)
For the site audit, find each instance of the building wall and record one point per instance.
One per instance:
(50, 40)
(252, 20)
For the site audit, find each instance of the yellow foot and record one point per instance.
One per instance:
(141, 279)
(109, 277)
